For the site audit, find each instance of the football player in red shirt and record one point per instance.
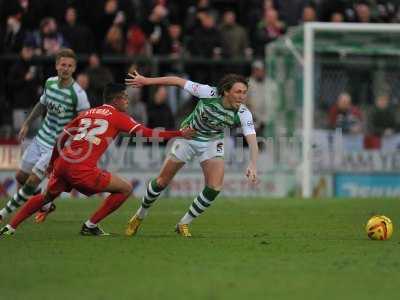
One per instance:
(75, 165)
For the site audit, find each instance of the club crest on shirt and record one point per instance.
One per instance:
(195, 88)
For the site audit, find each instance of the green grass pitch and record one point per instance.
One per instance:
(241, 249)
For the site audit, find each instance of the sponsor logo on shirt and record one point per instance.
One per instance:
(55, 108)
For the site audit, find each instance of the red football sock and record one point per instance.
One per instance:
(110, 204)
(30, 207)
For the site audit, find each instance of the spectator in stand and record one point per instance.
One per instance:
(111, 14)
(114, 41)
(47, 40)
(84, 82)
(363, 13)
(24, 82)
(114, 45)
(345, 115)
(32, 13)
(159, 112)
(234, 39)
(205, 43)
(268, 29)
(290, 11)
(337, 17)
(14, 34)
(382, 119)
(387, 10)
(206, 39)
(193, 18)
(172, 45)
(256, 97)
(309, 14)
(136, 42)
(78, 36)
(99, 76)
(155, 27)
(136, 109)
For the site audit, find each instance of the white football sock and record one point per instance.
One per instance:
(142, 212)
(187, 219)
(3, 213)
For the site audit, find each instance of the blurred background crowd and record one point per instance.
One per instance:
(200, 39)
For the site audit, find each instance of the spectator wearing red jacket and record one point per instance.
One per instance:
(344, 115)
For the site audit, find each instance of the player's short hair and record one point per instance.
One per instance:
(226, 83)
(66, 52)
(112, 90)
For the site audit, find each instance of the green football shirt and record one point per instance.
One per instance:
(210, 117)
(62, 104)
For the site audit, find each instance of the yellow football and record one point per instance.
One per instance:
(379, 228)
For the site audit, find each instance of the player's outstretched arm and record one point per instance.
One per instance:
(136, 80)
(127, 124)
(195, 89)
(251, 171)
(186, 133)
(37, 111)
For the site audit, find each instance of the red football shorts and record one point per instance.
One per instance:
(88, 180)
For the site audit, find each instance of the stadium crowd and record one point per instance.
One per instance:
(100, 30)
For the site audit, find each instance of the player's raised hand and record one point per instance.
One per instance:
(135, 80)
(251, 174)
(23, 132)
(188, 132)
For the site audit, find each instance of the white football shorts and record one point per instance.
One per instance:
(36, 158)
(185, 150)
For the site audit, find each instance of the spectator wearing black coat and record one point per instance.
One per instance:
(155, 28)
(205, 43)
(172, 47)
(159, 113)
(24, 80)
(99, 76)
(78, 36)
(268, 29)
(382, 119)
(14, 34)
(48, 40)
(206, 39)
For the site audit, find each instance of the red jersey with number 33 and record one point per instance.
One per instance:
(93, 131)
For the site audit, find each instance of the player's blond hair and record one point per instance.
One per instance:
(66, 52)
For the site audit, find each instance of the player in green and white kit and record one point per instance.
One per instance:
(62, 99)
(217, 109)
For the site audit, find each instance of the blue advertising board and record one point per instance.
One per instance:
(367, 185)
